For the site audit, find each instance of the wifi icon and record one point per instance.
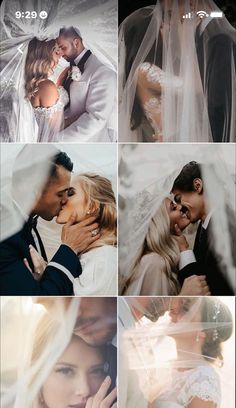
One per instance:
(202, 14)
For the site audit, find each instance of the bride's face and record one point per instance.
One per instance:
(182, 311)
(76, 376)
(176, 216)
(76, 203)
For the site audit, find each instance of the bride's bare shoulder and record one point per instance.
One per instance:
(47, 93)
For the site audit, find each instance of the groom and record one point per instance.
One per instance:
(92, 89)
(15, 277)
(188, 189)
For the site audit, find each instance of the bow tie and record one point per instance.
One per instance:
(82, 62)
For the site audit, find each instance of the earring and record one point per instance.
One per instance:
(197, 338)
(88, 212)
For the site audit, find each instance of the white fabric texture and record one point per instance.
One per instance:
(151, 279)
(99, 272)
(201, 382)
(92, 101)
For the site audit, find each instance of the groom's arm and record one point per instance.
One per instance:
(57, 280)
(99, 105)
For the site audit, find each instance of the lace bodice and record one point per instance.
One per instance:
(202, 382)
(152, 99)
(57, 107)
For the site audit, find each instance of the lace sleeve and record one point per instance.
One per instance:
(202, 383)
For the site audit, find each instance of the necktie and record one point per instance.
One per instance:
(32, 223)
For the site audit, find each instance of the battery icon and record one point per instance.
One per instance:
(216, 14)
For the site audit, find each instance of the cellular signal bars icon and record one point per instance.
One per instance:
(188, 15)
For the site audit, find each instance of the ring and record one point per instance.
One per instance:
(94, 232)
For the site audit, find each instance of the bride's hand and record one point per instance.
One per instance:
(38, 262)
(181, 240)
(101, 399)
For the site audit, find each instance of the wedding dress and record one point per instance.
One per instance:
(99, 275)
(151, 279)
(151, 81)
(201, 382)
(50, 120)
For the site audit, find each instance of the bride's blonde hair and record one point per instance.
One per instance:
(158, 240)
(100, 197)
(39, 64)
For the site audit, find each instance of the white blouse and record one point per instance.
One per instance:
(99, 272)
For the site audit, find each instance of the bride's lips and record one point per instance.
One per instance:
(80, 405)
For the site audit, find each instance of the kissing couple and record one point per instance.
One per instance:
(161, 262)
(85, 262)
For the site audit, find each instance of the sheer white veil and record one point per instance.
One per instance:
(96, 21)
(24, 173)
(154, 353)
(146, 176)
(181, 48)
(22, 380)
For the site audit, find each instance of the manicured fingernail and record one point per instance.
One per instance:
(107, 379)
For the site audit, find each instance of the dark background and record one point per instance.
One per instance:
(128, 6)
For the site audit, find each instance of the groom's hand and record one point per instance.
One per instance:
(78, 236)
(181, 240)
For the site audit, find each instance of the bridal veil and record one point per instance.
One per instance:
(96, 22)
(193, 50)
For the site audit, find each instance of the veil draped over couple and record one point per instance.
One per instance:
(176, 74)
(174, 352)
(56, 361)
(177, 220)
(58, 75)
(76, 253)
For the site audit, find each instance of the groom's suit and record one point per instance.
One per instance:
(206, 264)
(92, 98)
(16, 279)
(214, 52)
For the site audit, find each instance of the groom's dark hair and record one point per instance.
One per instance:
(70, 32)
(184, 181)
(60, 159)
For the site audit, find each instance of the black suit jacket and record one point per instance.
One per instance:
(16, 279)
(214, 51)
(208, 265)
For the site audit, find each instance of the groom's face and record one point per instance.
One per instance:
(193, 202)
(54, 195)
(70, 47)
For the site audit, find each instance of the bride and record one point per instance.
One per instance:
(154, 270)
(91, 195)
(57, 368)
(180, 360)
(172, 74)
(48, 100)
(199, 386)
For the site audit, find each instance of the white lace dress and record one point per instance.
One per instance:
(99, 272)
(202, 382)
(154, 80)
(50, 120)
